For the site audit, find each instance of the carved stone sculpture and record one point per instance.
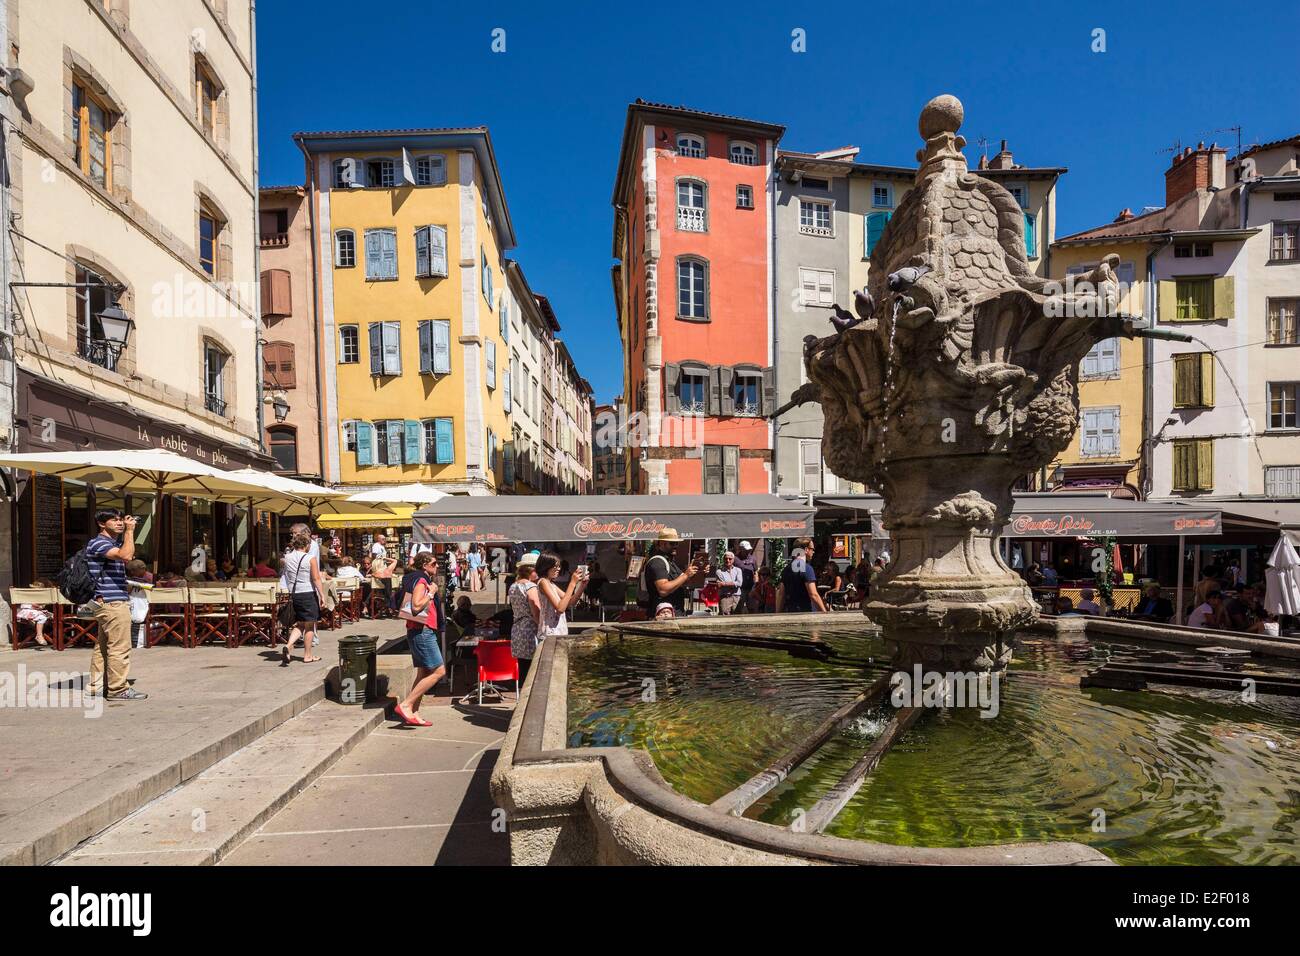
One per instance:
(962, 381)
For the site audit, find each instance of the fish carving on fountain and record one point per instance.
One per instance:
(963, 379)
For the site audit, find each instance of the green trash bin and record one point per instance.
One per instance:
(357, 669)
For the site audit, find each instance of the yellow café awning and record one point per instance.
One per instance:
(400, 518)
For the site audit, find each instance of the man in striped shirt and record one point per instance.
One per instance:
(107, 554)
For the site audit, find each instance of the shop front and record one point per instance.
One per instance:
(53, 517)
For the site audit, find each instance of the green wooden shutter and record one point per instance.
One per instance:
(1207, 379)
(1224, 305)
(1031, 236)
(365, 444)
(1205, 464)
(875, 228)
(444, 441)
(413, 434)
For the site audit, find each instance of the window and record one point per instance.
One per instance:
(1099, 432)
(810, 466)
(214, 386)
(1193, 250)
(439, 443)
(1282, 326)
(875, 228)
(390, 441)
(1286, 241)
(385, 348)
(816, 287)
(207, 91)
(1193, 464)
(721, 469)
(1031, 235)
(745, 154)
(277, 293)
(882, 195)
(92, 297)
(1102, 360)
(744, 197)
(431, 171)
(211, 228)
(350, 436)
(490, 350)
(431, 251)
(491, 447)
(381, 172)
(747, 393)
(345, 248)
(1281, 404)
(485, 274)
(815, 218)
(1194, 380)
(284, 447)
(507, 393)
(692, 391)
(692, 289)
(92, 128)
(1282, 481)
(435, 347)
(278, 365)
(1020, 193)
(691, 213)
(381, 254)
(349, 344)
(690, 145)
(347, 172)
(1195, 299)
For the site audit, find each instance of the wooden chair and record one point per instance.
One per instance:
(75, 630)
(254, 614)
(169, 617)
(210, 615)
(347, 610)
(378, 600)
(45, 599)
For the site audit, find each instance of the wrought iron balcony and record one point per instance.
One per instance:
(214, 403)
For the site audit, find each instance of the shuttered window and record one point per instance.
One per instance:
(381, 254)
(431, 170)
(439, 441)
(278, 365)
(431, 252)
(721, 469)
(816, 287)
(875, 228)
(1282, 481)
(1194, 380)
(810, 466)
(365, 443)
(1195, 299)
(1099, 432)
(1102, 360)
(385, 348)
(507, 397)
(1031, 235)
(277, 293)
(490, 350)
(1193, 464)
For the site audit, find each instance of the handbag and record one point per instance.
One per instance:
(407, 613)
(285, 614)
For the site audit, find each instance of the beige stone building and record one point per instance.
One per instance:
(132, 157)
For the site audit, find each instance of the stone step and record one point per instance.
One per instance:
(197, 823)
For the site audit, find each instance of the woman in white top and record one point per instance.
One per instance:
(303, 582)
(556, 602)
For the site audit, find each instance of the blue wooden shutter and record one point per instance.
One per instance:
(374, 257)
(365, 444)
(422, 252)
(490, 351)
(395, 436)
(510, 462)
(412, 442)
(392, 348)
(426, 347)
(388, 248)
(506, 398)
(875, 227)
(376, 330)
(441, 346)
(1031, 236)
(444, 443)
(438, 250)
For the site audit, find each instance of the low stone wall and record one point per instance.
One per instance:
(609, 805)
(1282, 648)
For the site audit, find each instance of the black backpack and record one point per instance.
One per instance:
(75, 581)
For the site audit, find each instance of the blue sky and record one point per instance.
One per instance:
(555, 100)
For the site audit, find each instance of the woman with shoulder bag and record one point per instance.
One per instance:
(419, 610)
(303, 582)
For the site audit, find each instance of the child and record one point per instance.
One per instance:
(37, 616)
(139, 584)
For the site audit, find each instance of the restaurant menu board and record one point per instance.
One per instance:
(180, 537)
(47, 525)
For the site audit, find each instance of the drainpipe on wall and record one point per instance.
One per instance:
(257, 241)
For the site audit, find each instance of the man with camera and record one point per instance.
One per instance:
(665, 582)
(106, 556)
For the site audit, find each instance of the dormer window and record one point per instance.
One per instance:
(690, 145)
(381, 172)
(743, 154)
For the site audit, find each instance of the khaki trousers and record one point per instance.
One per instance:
(112, 651)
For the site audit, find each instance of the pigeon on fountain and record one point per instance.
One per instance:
(863, 304)
(906, 277)
(841, 319)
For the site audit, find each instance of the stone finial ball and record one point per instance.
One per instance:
(943, 114)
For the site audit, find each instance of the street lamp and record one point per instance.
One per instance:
(280, 407)
(113, 328)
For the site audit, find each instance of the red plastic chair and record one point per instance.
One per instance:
(495, 662)
(711, 595)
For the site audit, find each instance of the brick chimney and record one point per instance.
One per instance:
(1204, 167)
(1003, 159)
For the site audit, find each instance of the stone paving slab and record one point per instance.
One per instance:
(214, 812)
(64, 776)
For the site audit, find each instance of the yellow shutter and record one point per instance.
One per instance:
(1207, 380)
(1167, 301)
(1205, 464)
(1182, 375)
(1224, 307)
(1180, 465)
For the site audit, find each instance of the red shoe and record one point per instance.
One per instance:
(419, 721)
(403, 716)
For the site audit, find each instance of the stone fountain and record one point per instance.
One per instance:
(959, 377)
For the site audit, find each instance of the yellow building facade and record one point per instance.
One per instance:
(410, 234)
(1106, 450)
